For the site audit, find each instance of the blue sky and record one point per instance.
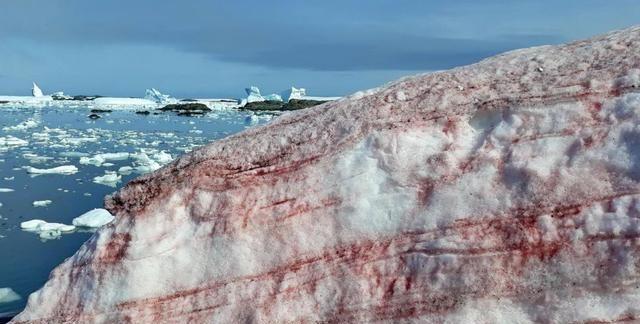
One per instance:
(205, 48)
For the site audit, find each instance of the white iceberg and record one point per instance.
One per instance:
(301, 94)
(293, 93)
(6, 190)
(7, 295)
(158, 97)
(63, 169)
(253, 94)
(94, 218)
(36, 91)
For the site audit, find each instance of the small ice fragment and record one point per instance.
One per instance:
(42, 203)
(110, 178)
(94, 218)
(6, 190)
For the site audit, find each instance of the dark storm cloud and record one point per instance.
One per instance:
(336, 35)
(208, 47)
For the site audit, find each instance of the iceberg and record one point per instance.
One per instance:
(301, 94)
(273, 97)
(36, 92)
(253, 94)
(293, 93)
(159, 98)
(507, 191)
(94, 218)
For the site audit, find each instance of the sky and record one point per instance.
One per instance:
(209, 48)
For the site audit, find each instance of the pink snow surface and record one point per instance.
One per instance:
(507, 191)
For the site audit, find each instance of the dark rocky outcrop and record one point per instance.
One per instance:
(270, 105)
(187, 109)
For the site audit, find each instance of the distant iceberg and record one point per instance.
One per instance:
(158, 97)
(36, 91)
(253, 94)
(301, 94)
(293, 93)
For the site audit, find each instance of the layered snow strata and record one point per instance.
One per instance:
(503, 192)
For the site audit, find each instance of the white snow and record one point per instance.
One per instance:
(7, 295)
(94, 218)
(63, 169)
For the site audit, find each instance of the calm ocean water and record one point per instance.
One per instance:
(60, 136)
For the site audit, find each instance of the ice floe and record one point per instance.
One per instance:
(27, 124)
(94, 218)
(42, 203)
(63, 169)
(46, 230)
(110, 178)
(7, 295)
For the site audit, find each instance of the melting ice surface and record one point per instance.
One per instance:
(39, 146)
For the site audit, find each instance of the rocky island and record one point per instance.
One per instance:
(504, 191)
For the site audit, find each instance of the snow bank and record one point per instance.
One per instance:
(94, 218)
(503, 192)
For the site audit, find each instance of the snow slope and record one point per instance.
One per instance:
(503, 192)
